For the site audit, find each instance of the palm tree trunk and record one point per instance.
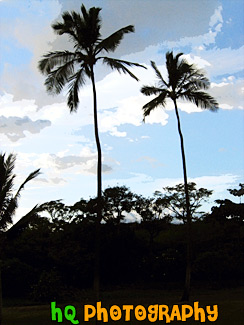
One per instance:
(1, 297)
(96, 281)
(186, 292)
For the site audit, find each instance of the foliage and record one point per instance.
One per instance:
(53, 259)
(116, 201)
(65, 67)
(185, 81)
(9, 200)
(228, 211)
(173, 198)
(238, 192)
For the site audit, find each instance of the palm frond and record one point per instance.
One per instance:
(59, 77)
(151, 90)
(158, 74)
(29, 178)
(6, 168)
(176, 69)
(24, 221)
(8, 201)
(6, 180)
(159, 100)
(66, 27)
(194, 80)
(111, 42)
(91, 17)
(201, 99)
(88, 32)
(53, 59)
(13, 203)
(7, 213)
(75, 82)
(120, 65)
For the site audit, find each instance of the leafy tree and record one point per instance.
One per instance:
(9, 201)
(228, 211)
(117, 200)
(72, 68)
(62, 214)
(185, 82)
(173, 198)
(238, 192)
(56, 210)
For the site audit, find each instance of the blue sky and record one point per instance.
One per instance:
(143, 156)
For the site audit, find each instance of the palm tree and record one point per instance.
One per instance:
(9, 202)
(185, 82)
(71, 68)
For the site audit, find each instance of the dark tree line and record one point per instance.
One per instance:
(52, 256)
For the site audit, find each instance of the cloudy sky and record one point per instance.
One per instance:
(143, 156)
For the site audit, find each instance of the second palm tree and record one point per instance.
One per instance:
(185, 82)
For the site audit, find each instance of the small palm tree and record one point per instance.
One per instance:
(185, 82)
(9, 201)
(72, 68)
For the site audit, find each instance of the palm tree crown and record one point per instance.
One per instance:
(9, 200)
(185, 81)
(65, 67)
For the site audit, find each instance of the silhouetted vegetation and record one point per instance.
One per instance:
(9, 199)
(52, 256)
(164, 241)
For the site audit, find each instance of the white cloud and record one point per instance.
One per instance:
(14, 127)
(197, 60)
(229, 95)
(216, 18)
(223, 61)
(54, 166)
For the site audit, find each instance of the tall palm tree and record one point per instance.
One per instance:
(9, 202)
(185, 82)
(72, 68)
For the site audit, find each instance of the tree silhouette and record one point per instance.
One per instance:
(9, 202)
(185, 82)
(72, 68)
(173, 198)
(237, 192)
(117, 200)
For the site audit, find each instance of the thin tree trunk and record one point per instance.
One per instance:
(1, 295)
(186, 292)
(96, 281)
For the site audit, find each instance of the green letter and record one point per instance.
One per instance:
(70, 316)
(55, 310)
